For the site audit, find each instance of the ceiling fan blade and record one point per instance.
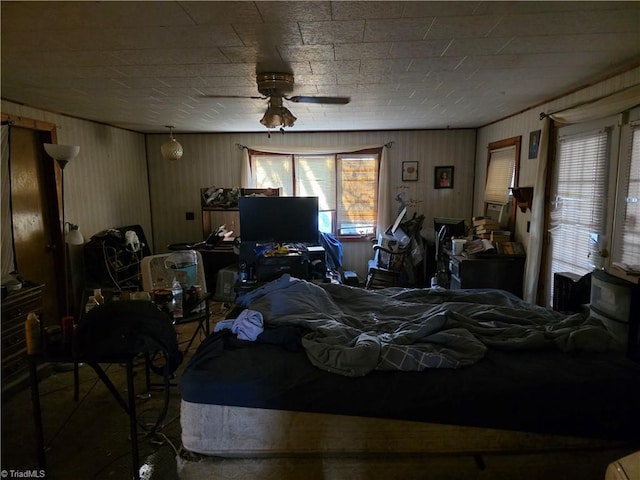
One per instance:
(235, 96)
(322, 100)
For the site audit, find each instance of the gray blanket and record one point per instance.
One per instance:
(352, 331)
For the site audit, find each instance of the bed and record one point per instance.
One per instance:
(335, 370)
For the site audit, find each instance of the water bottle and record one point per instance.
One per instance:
(243, 272)
(177, 294)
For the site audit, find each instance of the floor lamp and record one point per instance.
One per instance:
(63, 154)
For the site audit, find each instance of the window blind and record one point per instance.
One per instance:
(627, 241)
(274, 171)
(316, 177)
(500, 176)
(357, 205)
(577, 219)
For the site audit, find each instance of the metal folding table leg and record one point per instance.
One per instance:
(135, 463)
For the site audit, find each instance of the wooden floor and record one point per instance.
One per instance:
(589, 465)
(89, 439)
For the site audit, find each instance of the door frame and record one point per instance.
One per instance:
(46, 132)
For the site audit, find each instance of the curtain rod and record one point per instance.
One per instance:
(543, 115)
(239, 146)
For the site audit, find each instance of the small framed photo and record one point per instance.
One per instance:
(534, 143)
(443, 177)
(409, 171)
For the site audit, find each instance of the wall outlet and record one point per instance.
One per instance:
(190, 216)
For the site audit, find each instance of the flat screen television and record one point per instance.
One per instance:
(279, 219)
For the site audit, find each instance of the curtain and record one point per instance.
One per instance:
(246, 179)
(600, 108)
(8, 259)
(536, 228)
(384, 198)
(384, 205)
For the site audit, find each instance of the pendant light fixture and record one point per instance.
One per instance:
(171, 149)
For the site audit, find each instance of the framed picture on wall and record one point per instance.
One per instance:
(409, 171)
(534, 142)
(443, 177)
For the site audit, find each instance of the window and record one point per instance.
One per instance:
(500, 176)
(578, 212)
(346, 185)
(595, 215)
(583, 186)
(503, 163)
(626, 246)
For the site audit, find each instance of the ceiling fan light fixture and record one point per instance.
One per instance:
(171, 149)
(277, 115)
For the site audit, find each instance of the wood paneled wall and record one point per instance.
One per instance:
(527, 122)
(214, 159)
(106, 184)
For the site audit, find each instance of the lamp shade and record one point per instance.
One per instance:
(61, 152)
(277, 115)
(74, 236)
(171, 149)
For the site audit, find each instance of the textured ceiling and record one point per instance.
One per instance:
(405, 65)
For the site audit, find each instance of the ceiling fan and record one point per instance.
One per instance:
(275, 87)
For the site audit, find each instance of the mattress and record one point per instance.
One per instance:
(224, 431)
(583, 394)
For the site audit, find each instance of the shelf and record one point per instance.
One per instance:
(524, 197)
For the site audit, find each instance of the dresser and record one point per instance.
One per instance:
(505, 272)
(15, 307)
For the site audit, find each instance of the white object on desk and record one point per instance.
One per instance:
(457, 246)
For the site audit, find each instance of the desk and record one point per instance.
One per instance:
(192, 312)
(505, 272)
(216, 259)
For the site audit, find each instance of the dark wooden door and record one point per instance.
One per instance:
(37, 245)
